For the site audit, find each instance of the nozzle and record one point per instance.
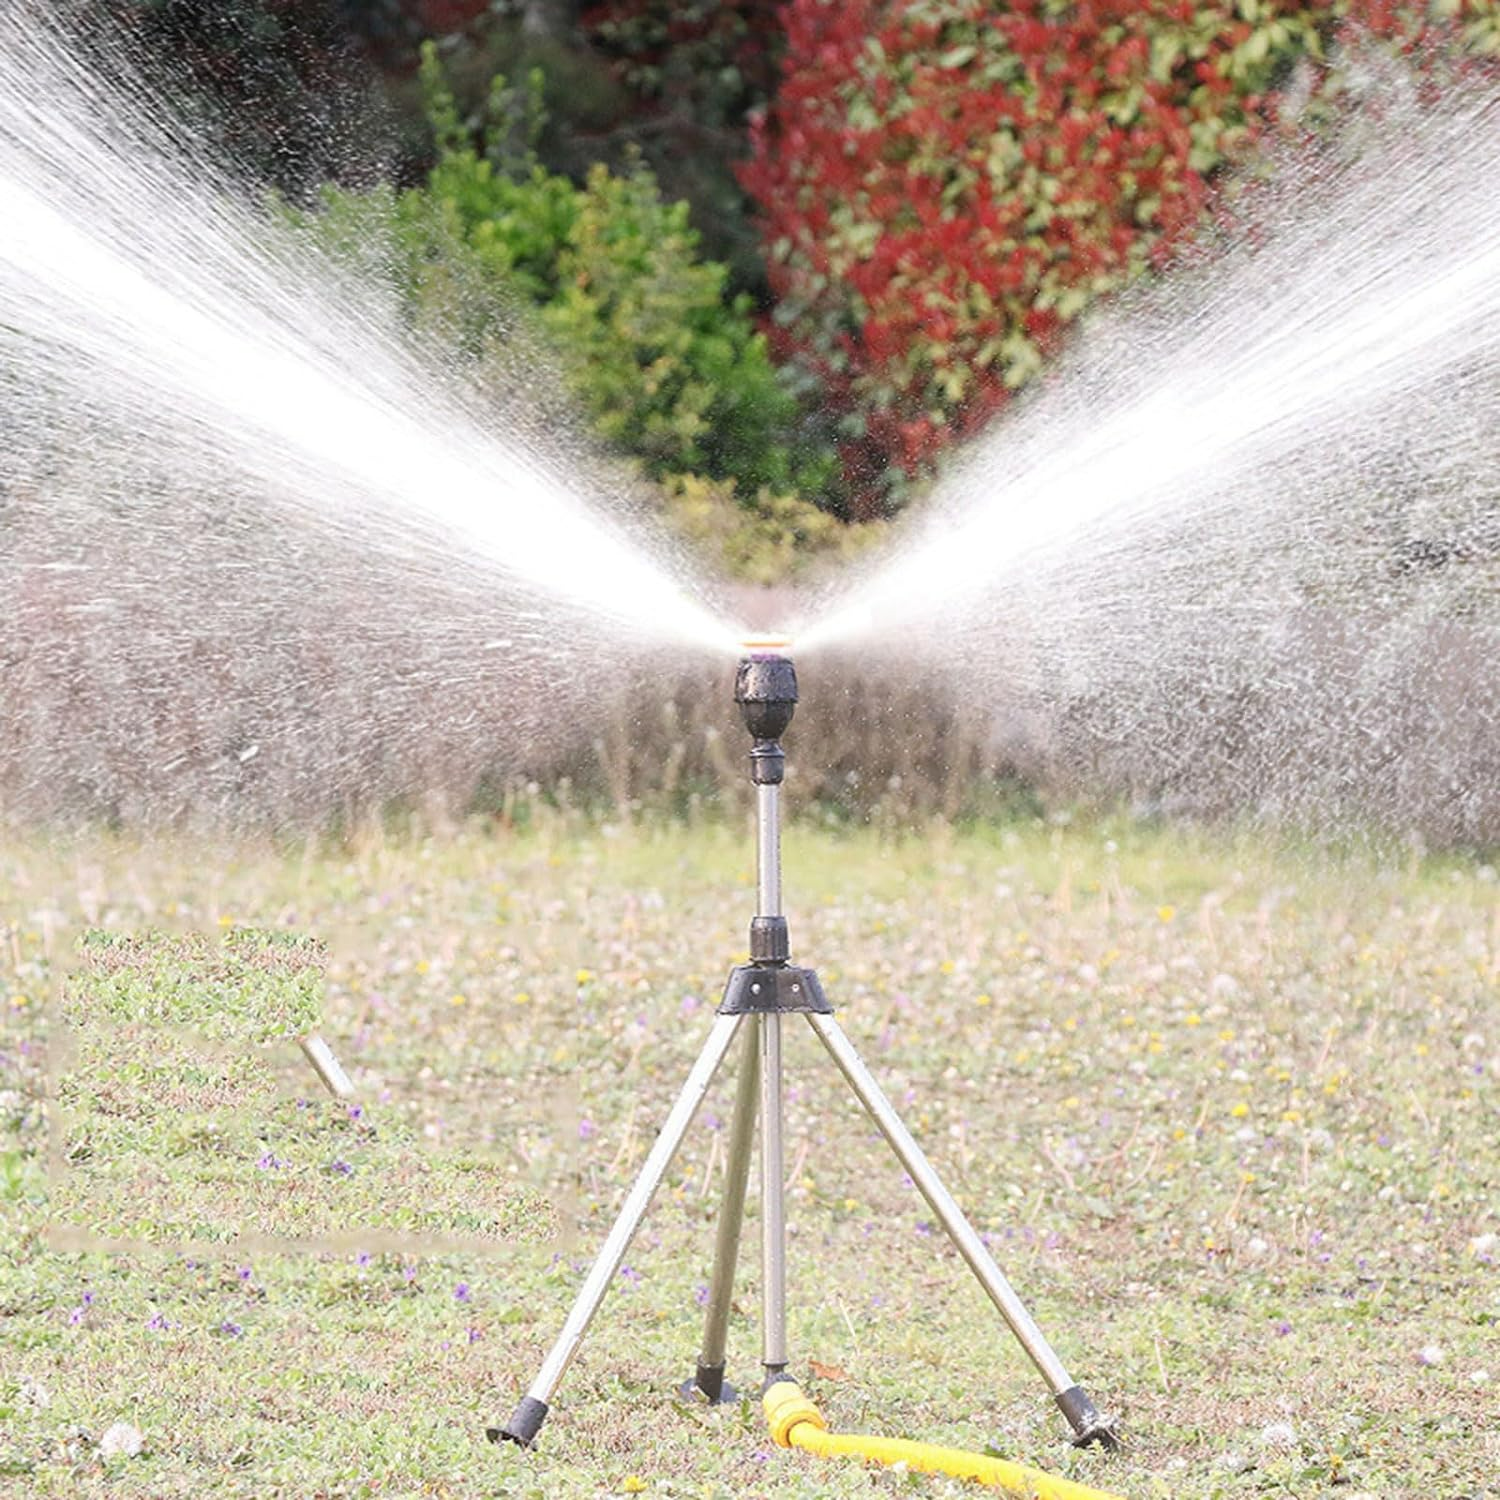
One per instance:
(766, 645)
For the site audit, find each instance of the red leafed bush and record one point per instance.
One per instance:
(944, 185)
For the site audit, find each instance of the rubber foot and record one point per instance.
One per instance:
(1088, 1425)
(709, 1386)
(523, 1426)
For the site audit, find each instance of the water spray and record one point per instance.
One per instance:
(758, 998)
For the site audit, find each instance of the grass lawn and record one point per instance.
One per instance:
(1228, 1115)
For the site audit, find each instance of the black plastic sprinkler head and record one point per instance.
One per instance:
(765, 687)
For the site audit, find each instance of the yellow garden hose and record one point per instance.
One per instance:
(796, 1423)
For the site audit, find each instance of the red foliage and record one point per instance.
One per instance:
(944, 184)
(438, 17)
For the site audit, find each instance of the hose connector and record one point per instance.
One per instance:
(786, 1407)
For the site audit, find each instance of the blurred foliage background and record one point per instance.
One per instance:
(782, 257)
(786, 252)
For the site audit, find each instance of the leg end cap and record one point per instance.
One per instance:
(523, 1426)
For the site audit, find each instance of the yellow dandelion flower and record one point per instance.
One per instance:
(1166, 913)
(982, 1000)
(1240, 1110)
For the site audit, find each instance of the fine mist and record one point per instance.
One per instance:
(268, 561)
(246, 517)
(1241, 551)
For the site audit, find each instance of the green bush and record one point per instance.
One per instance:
(766, 538)
(668, 368)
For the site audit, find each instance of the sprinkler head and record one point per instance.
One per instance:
(765, 687)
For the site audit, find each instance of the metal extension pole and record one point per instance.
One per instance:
(709, 1379)
(532, 1411)
(1080, 1411)
(768, 849)
(766, 771)
(772, 1203)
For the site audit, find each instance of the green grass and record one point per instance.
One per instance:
(1229, 1116)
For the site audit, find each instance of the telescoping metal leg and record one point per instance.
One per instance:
(326, 1065)
(1088, 1425)
(532, 1412)
(772, 1203)
(709, 1379)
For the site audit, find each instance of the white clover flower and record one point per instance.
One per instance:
(121, 1440)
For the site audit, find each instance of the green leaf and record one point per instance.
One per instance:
(958, 57)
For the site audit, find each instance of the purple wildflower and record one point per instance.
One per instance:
(461, 1292)
(630, 1274)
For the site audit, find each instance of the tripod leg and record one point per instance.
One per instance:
(1088, 1425)
(532, 1412)
(326, 1065)
(772, 1203)
(709, 1380)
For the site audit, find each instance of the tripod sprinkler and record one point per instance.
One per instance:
(757, 997)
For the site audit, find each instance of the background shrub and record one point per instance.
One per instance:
(944, 185)
(668, 367)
